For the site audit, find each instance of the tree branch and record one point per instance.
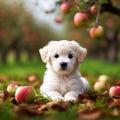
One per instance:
(109, 8)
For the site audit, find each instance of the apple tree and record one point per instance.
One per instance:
(101, 20)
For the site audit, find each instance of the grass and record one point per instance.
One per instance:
(18, 71)
(22, 69)
(97, 67)
(90, 67)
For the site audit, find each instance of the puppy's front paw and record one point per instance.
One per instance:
(70, 98)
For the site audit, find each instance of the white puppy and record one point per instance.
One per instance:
(62, 80)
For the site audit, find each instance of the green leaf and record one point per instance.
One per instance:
(103, 1)
(75, 8)
(85, 1)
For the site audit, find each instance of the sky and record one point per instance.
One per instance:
(38, 9)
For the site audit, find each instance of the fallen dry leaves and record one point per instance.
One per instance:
(27, 110)
(89, 114)
(57, 105)
(86, 107)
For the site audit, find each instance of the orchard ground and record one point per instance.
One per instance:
(92, 105)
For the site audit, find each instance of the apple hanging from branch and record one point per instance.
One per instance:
(58, 19)
(93, 9)
(80, 19)
(65, 7)
(96, 32)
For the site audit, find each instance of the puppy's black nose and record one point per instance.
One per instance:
(63, 65)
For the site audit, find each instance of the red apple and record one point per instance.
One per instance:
(65, 7)
(96, 32)
(11, 88)
(114, 91)
(32, 78)
(99, 86)
(80, 19)
(93, 9)
(25, 94)
(58, 19)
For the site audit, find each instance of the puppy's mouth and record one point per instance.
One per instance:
(63, 66)
(63, 69)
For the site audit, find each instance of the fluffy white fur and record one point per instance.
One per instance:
(62, 80)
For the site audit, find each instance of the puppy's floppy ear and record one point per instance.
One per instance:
(81, 52)
(44, 53)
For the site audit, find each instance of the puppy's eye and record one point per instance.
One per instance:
(70, 56)
(56, 56)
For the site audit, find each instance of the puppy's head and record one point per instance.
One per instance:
(63, 56)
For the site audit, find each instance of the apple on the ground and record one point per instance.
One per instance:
(25, 94)
(114, 91)
(99, 86)
(11, 88)
(103, 78)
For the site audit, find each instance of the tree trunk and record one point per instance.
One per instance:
(4, 54)
(17, 54)
(17, 49)
(112, 49)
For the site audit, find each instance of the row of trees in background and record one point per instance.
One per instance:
(20, 32)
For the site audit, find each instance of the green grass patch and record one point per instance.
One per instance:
(89, 66)
(22, 69)
(97, 67)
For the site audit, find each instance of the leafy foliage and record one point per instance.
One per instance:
(107, 12)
